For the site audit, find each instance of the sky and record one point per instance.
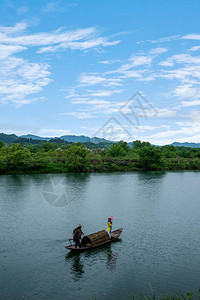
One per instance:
(120, 70)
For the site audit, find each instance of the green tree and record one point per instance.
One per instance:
(41, 160)
(150, 158)
(17, 158)
(137, 144)
(47, 146)
(77, 158)
(118, 150)
(169, 151)
(1, 144)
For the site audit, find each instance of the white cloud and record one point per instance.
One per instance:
(131, 74)
(8, 50)
(151, 112)
(146, 128)
(103, 107)
(53, 132)
(187, 132)
(166, 63)
(138, 60)
(108, 62)
(190, 103)
(158, 50)
(22, 101)
(139, 66)
(20, 78)
(90, 79)
(113, 82)
(79, 115)
(186, 59)
(92, 43)
(165, 39)
(133, 61)
(187, 91)
(195, 48)
(105, 93)
(165, 126)
(54, 6)
(181, 59)
(80, 100)
(71, 95)
(163, 113)
(188, 74)
(82, 38)
(47, 38)
(18, 28)
(195, 117)
(191, 36)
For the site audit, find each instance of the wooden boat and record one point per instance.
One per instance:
(96, 239)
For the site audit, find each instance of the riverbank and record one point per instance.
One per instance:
(76, 158)
(110, 165)
(180, 296)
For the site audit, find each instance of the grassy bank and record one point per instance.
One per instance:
(179, 296)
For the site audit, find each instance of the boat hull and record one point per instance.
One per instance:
(114, 236)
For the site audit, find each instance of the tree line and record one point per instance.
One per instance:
(78, 157)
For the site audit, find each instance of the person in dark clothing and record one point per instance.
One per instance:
(77, 232)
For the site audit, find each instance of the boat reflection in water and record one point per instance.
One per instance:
(77, 265)
(111, 259)
(77, 268)
(77, 260)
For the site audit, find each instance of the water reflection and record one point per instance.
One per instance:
(149, 175)
(77, 267)
(75, 178)
(111, 259)
(103, 254)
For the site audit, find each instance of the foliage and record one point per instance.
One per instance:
(77, 158)
(54, 156)
(150, 158)
(15, 157)
(48, 146)
(118, 150)
(138, 144)
(180, 296)
(1, 144)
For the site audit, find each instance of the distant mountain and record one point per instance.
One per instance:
(30, 139)
(97, 140)
(69, 138)
(75, 138)
(83, 139)
(8, 138)
(190, 145)
(34, 137)
(27, 141)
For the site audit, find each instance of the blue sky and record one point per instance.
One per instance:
(114, 69)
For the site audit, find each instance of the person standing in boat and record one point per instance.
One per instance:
(77, 232)
(109, 227)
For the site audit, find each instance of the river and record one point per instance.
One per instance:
(159, 246)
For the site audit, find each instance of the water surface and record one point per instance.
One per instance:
(159, 245)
